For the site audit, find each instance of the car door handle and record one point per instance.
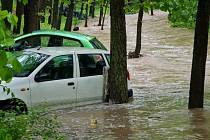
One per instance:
(70, 84)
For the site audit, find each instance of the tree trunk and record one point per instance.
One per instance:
(81, 10)
(151, 8)
(7, 5)
(58, 26)
(91, 9)
(68, 25)
(139, 30)
(19, 13)
(152, 13)
(106, 6)
(101, 14)
(196, 93)
(117, 89)
(50, 16)
(93, 12)
(31, 16)
(86, 14)
(55, 13)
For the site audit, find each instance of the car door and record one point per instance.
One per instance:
(90, 80)
(55, 82)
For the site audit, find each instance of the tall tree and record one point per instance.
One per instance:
(137, 51)
(92, 9)
(58, 25)
(31, 22)
(101, 12)
(139, 30)
(196, 93)
(55, 10)
(106, 6)
(81, 10)
(151, 8)
(19, 13)
(68, 25)
(117, 80)
(7, 5)
(86, 13)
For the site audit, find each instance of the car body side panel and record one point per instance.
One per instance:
(53, 92)
(90, 88)
(19, 87)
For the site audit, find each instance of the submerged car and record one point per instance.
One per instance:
(56, 38)
(56, 76)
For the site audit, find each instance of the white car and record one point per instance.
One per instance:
(57, 76)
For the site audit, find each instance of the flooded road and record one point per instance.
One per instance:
(160, 80)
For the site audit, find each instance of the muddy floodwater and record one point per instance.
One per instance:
(160, 80)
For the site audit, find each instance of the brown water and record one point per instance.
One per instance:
(160, 81)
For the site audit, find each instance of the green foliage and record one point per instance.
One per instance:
(31, 126)
(135, 5)
(24, 1)
(182, 13)
(8, 62)
(76, 21)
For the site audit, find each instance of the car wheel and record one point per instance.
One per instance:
(15, 105)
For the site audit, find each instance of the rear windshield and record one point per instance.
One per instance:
(97, 44)
(29, 61)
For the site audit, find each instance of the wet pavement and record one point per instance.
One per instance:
(160, 80)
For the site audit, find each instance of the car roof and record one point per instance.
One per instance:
(67, 34)
(54, 51)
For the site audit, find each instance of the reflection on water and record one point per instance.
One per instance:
(160, 80)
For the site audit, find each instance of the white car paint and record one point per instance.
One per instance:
(57, 91)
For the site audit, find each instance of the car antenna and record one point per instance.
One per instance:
(39, 47)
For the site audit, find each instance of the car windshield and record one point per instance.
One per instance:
(29, 61)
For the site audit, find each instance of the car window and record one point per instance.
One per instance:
(97, 44)
(71, 43)
(29, 61)
(107, 57)
(91, 64)
(29, 42)
(60, 67)
(45, 41)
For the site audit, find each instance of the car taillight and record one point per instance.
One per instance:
(128, 75)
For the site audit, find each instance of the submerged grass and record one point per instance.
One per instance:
(34, 125)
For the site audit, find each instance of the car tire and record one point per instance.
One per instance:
(14, 105)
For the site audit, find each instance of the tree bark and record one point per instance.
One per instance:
(7, 5)
(58, 26)
(55, 13)
(139, 30)
(68, 25)
(151, 8)
(86, 14)
(117, 89)
(31, 22)
(93, 12)
(196, 93)
(101, 14)
(81, 10)
(50, 16)
(106, 6)
(19, 13)
(92, 9)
